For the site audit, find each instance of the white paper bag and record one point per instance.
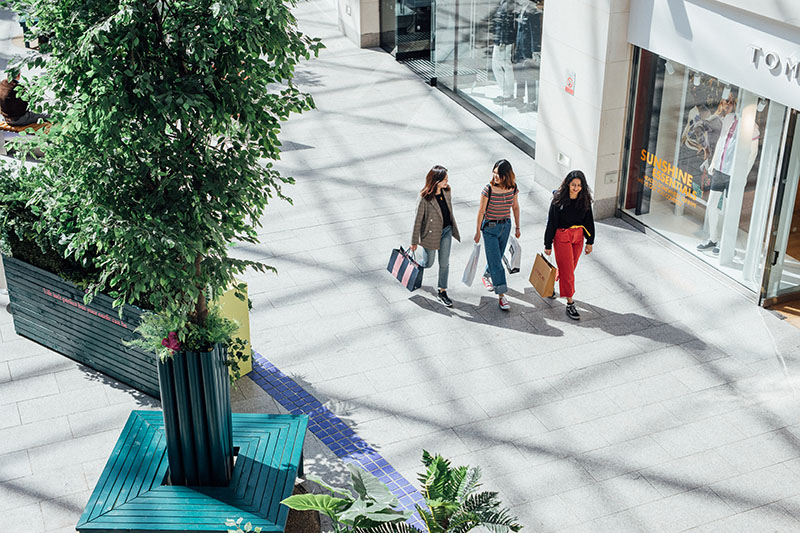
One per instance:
(472, 265)
(513, 256)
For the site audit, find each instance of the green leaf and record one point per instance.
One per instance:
(370, 487)
(323, 503)
(331, 488)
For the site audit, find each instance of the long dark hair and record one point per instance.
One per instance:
(508, 180)
(435, 175)
(561, 197)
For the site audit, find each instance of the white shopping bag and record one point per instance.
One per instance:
(472, 265)
(513, 256)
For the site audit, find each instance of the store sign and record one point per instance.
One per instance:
(773, 61)
(744, 49)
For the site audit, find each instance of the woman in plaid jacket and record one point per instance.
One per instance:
(435, 226)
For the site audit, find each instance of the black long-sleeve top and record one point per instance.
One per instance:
(567, 216)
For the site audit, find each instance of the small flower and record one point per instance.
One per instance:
(171, 342)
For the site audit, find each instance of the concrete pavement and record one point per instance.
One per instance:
(670, 406)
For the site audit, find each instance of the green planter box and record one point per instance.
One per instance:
(50, 311)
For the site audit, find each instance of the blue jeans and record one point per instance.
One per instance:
(495, 239)
(428, 256)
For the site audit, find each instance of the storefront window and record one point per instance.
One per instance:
(703, 156)
(489, 53)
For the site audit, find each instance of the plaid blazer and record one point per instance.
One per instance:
(428, 223)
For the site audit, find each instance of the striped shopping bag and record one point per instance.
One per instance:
(405, 269)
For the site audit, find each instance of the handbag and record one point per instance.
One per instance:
(472, 265)
(405, 269)
(513, 256)
(543, 276)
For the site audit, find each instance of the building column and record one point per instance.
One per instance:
(584, 130)
(359, 21)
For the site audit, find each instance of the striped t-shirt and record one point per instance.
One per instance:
(500, 203)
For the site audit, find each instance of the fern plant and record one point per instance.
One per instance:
(453, 502)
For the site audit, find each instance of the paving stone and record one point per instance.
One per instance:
(66, 403)
(52, 456)
(762, 450)
(603, 351)
(696, 437)
(499, 430)
(25, 389)
(60, 513)
(610, 496)
(589, 379)
(559, 444)
(24, 519)
(503, 400)
(690, 472)
(575, 410)
(634, 423)
(546, 514)
(772, 516)
(495, 461)
(704, 404)
(615, 523)
(544, 480)
(9, 415)
(620, 459)
(406, 453)
(436, 417)
(46, 485)
(759, 487)
(79, 377)
(36, 365)
(717, 372)
(5, 373)
(19, 348)
(14, 465)
(683, 511)
(98, 420)
(7, 332)
(647, 391)
(37, 434)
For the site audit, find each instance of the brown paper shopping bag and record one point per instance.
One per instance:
(543, 276)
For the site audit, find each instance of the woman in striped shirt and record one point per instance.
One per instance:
(498, 199)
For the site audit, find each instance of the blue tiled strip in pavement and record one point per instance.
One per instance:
(334, 433)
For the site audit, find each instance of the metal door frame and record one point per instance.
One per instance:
(779, 187)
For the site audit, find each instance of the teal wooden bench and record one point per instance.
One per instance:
(131, 495)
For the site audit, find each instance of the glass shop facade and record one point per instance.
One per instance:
(712, 152)
(483, 53)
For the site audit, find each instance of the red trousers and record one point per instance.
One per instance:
(567, 245)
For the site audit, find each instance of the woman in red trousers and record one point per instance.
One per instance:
(569, 220)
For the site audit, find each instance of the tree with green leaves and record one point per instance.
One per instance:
(166, 115)
(453, 502)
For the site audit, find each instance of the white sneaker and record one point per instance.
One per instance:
(503, 303)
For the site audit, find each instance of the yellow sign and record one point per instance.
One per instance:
(237, 310)
(668, 180)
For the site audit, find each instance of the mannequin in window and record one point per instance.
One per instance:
(528, 54)
(721, 167)
(504, 35)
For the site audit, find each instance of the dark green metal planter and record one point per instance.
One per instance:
(50, 310)
(196, 398)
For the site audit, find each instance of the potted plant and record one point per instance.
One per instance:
(165, 121)
(453, 503)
